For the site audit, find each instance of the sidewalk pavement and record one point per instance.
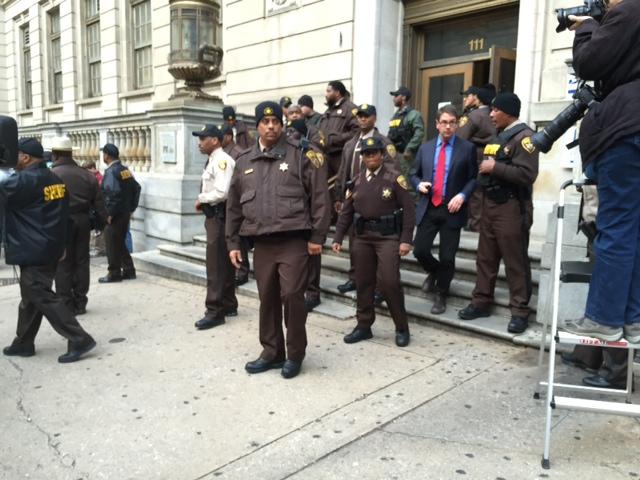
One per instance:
(159, 400)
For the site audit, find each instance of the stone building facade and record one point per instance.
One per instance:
(97, 70)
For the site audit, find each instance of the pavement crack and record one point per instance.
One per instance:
(66, 460)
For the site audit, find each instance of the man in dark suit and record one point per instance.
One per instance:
(444, 174)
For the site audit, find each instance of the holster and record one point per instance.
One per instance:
(211, 211)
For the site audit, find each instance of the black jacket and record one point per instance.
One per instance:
(120, 190)
(36, 207)
(610, 52)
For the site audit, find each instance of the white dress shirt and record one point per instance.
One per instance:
(216, 177)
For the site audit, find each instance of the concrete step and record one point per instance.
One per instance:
(337, 266)
(340, 306)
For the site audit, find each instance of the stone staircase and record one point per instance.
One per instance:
(187, 263)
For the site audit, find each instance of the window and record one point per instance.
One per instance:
(27, 98)
(142, 61)
(55, 58)
(92, 38)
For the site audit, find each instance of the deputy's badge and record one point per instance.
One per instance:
(316, 158)
(370, 141)
(528, 145)
(222, 164)
(354, 111)
(339, 112)
(248, 171)
(402, 182)
(391, 150)
(506, 150)
(268, 111)
(463, 121)
(284, 166)
(386, 193)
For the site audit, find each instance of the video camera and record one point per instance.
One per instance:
(586, 96)
(591, 8)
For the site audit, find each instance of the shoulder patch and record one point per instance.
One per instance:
(125, 174)
(463, 121)
(528, 145)
(402, 182)
(316, 158)
(222, 164)
(354, 111)
(491, 149)
(391, 150)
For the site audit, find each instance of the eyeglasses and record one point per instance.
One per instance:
(452, 123)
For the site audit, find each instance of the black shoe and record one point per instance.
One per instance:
(429, 284)
(80, 310)
(348, 286)
(471, 313)
(517, 324)
(75, 354)
(261, 365)
(402, 338)
(358, 334)
(110, 279)
(19, 350)
(311, 303)
(377, 298)
(569, 359)
(290, 369)
(129, 275)
(599, 381)
(206, 323)
(232, 312)
(440, 305)
(241, 280)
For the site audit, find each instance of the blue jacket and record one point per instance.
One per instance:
(463, 171)
(36, 206)
(120, 190)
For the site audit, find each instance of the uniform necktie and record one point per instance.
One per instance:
(438, 183)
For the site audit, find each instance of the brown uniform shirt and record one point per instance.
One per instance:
(351, 163)
(339, 123)
(243, 137)
(84, 192)
(382, 195)
(477, 127)
(233, 150)
(315, 135)
(281, 190)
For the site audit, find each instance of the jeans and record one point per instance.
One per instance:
(614, 292)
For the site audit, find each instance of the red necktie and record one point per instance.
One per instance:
(438, 183)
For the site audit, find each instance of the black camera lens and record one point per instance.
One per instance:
(591, 8)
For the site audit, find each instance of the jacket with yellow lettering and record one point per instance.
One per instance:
(36, 206)
(120, 190)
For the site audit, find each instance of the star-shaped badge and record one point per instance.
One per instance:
(284, 166)
(386, 193)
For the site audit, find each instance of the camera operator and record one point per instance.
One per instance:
(609, 52)
(36, 206)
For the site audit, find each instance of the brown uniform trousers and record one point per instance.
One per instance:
(610, 363)
(280, 199)
(118, 256)
(376, 258)
(280, 264)
(504, 226)
(38, 299)
(72, 277)
(476, 127)
(221, 288)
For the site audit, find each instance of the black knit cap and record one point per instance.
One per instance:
(266, 109)
(227, 129)
(305, 101)
(228, 113)
(285, 101)
(371, 143)
(31, 146)
(486, 93)
(507, 102)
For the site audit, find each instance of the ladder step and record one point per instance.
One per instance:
(597, 406)
(567, 338)
(575, 272)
